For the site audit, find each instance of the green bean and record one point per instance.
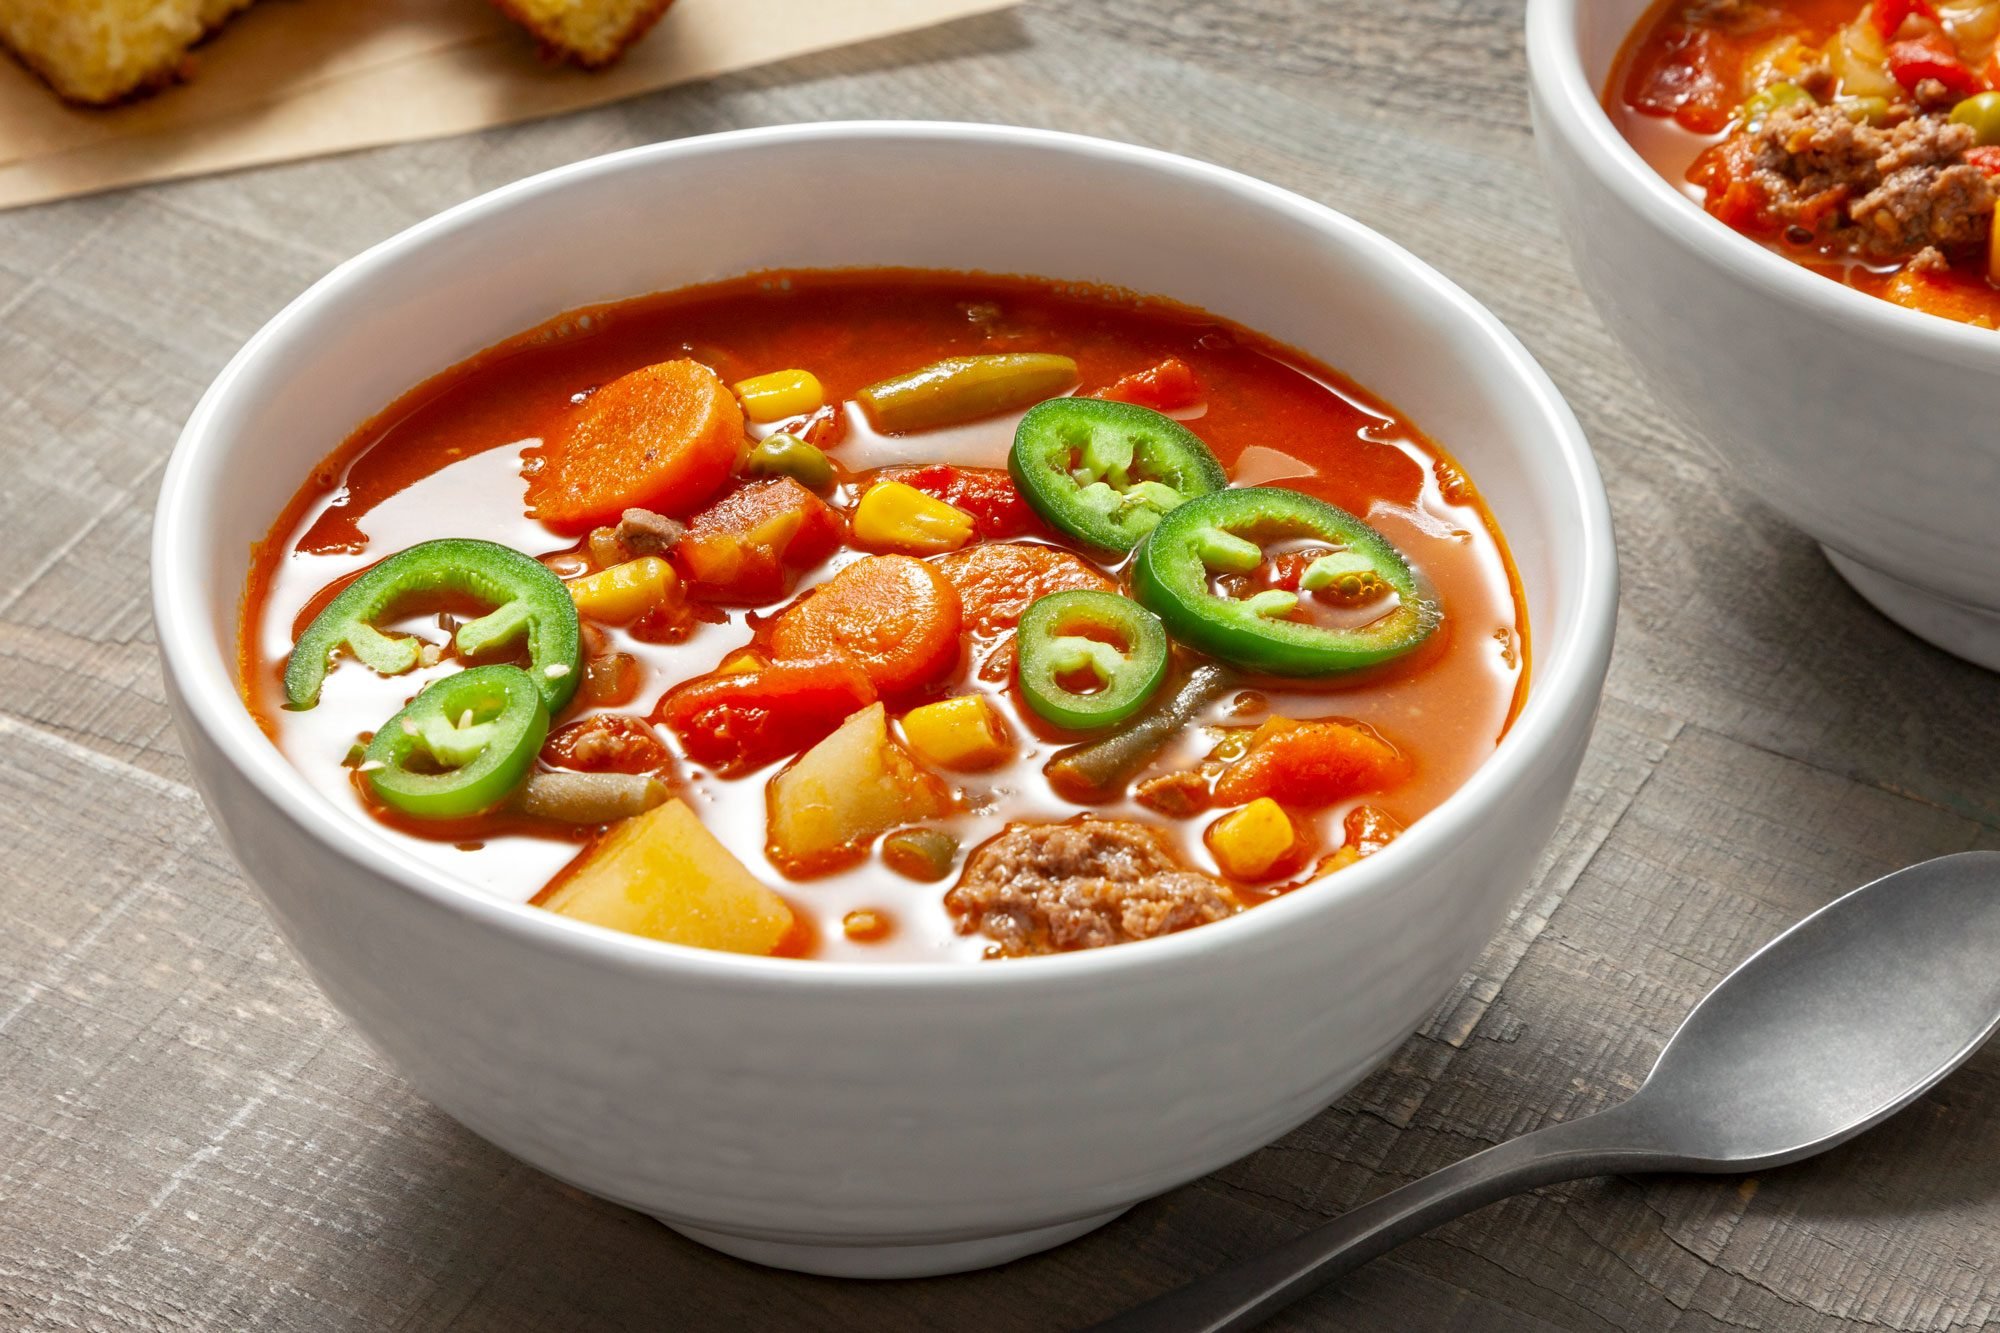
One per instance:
(965, 388)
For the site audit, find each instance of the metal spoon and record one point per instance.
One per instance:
(1829, 1029)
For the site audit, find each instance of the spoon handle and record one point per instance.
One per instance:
(1244, 1295)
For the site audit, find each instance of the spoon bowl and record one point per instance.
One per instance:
(1835, 1025)
(1829, 1029)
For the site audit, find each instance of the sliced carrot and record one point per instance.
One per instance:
(741, 720)
(663, 438)
(745, 546)
(895, 617)
(996, 581)
(1310, 764)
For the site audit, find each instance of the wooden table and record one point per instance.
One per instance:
(191, 1139)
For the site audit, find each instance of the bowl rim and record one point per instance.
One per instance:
(1561, 87)
(203, 680)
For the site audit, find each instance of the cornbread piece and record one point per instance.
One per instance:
(590, 33)
(100, 51)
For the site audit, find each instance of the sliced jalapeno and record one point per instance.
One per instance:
(1220, 533)
(1104, 472)
(461, 746)
(527, 599)
(1099, 634)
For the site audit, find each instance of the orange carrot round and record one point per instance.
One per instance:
(663, 437)
(998, 580)
(897, 618)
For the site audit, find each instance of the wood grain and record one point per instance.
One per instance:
(191, 1139)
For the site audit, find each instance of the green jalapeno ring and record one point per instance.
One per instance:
(1057, 637)
(1170, 576)
(1104, 472)
(527, 599)
(480, 730)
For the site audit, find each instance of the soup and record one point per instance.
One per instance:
(887, 615)
(1860, 139)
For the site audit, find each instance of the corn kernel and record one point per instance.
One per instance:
(958, 733)
(626, 592)
(779, 395)
(1247, 843)
(896, 517)
(741, 664)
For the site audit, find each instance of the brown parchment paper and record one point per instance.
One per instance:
(296, 78)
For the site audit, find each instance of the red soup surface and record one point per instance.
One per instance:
(1860, 138)
(802, 678)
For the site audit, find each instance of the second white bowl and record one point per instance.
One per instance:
(1873, 428)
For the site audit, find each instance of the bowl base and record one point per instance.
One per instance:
(1970, 632)
(886, 1261)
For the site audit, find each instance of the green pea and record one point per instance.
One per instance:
(1982, 112)
(790, 456)
(1768, 99)
(1867, 110)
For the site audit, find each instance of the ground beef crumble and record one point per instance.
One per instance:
(643, 532)
(1889, 192)
(1048, 888)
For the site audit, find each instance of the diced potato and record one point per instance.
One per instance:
(1247, 843)
(839, 795)
(963, 732)
(626, 592)
(664, 876)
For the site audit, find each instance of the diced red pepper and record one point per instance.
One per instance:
(1164, 388)
(747, 545)
(744, 720)
(1932, 56)
(988, 494)
(1986, 157)
(1889, 14)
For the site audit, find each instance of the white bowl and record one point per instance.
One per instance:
(854, 1119)
(1873, 428)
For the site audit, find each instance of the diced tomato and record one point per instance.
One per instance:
(1310, 764)
(1164, 388)
(747, 545)
(607, 743)
(746, 719)
(1986, 157)
(1932, 56)
(988, 494)
(1889, 14)
(1693, 77)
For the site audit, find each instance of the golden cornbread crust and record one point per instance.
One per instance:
(100, 53)
(557, 45)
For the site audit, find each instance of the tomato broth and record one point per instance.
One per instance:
(448, 459)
